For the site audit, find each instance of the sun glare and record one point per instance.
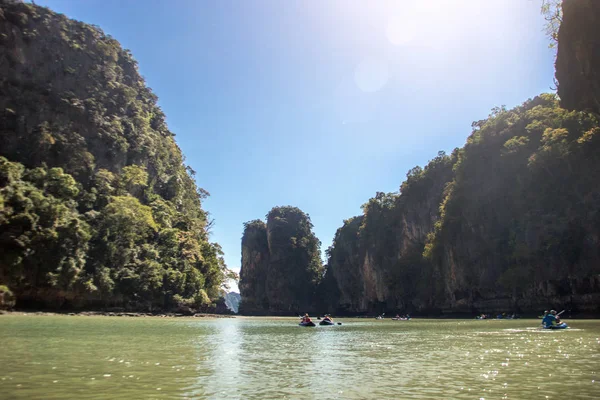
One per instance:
(371, 74)
(388, 33)
(400, 30)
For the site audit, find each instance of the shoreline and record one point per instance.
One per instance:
(210, 315)
(115, 314)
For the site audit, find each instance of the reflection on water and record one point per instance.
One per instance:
(48, 357)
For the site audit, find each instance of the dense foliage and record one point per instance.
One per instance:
(281, 263)
(97, 206)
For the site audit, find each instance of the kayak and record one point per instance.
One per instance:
(307, 323)
(325, 322)
(400, 319)
(559, 326)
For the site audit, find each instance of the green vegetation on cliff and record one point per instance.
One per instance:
(97, 207)
(511, 221)
(376, 259)
(281, 263)
(255, 265)
(521, 218)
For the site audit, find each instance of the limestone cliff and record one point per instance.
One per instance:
(376, 258)
(519, 228)
(281, 263)
(255, 264)
(508, 223)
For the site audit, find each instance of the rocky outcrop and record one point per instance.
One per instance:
(376, 258)
(281, 264)
(346, 267)
(578, 56)
(255, 264)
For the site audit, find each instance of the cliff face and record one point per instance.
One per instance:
(520, 221)
(508, 223)
(96, 206)
(578, 56)
(376, 258)
(281, 263)
(346, 267)
(92, 110)
(254, 270)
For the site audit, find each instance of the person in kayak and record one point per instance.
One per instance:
(550, 319)
(327, 318)
(306, 319)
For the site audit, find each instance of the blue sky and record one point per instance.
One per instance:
(320, 104)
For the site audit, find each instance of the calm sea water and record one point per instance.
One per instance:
(68, 357)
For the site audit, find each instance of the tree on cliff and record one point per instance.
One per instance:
(96, 205)
(552, 11)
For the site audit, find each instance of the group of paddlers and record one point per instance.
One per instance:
(306, 319)
(550, 319)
